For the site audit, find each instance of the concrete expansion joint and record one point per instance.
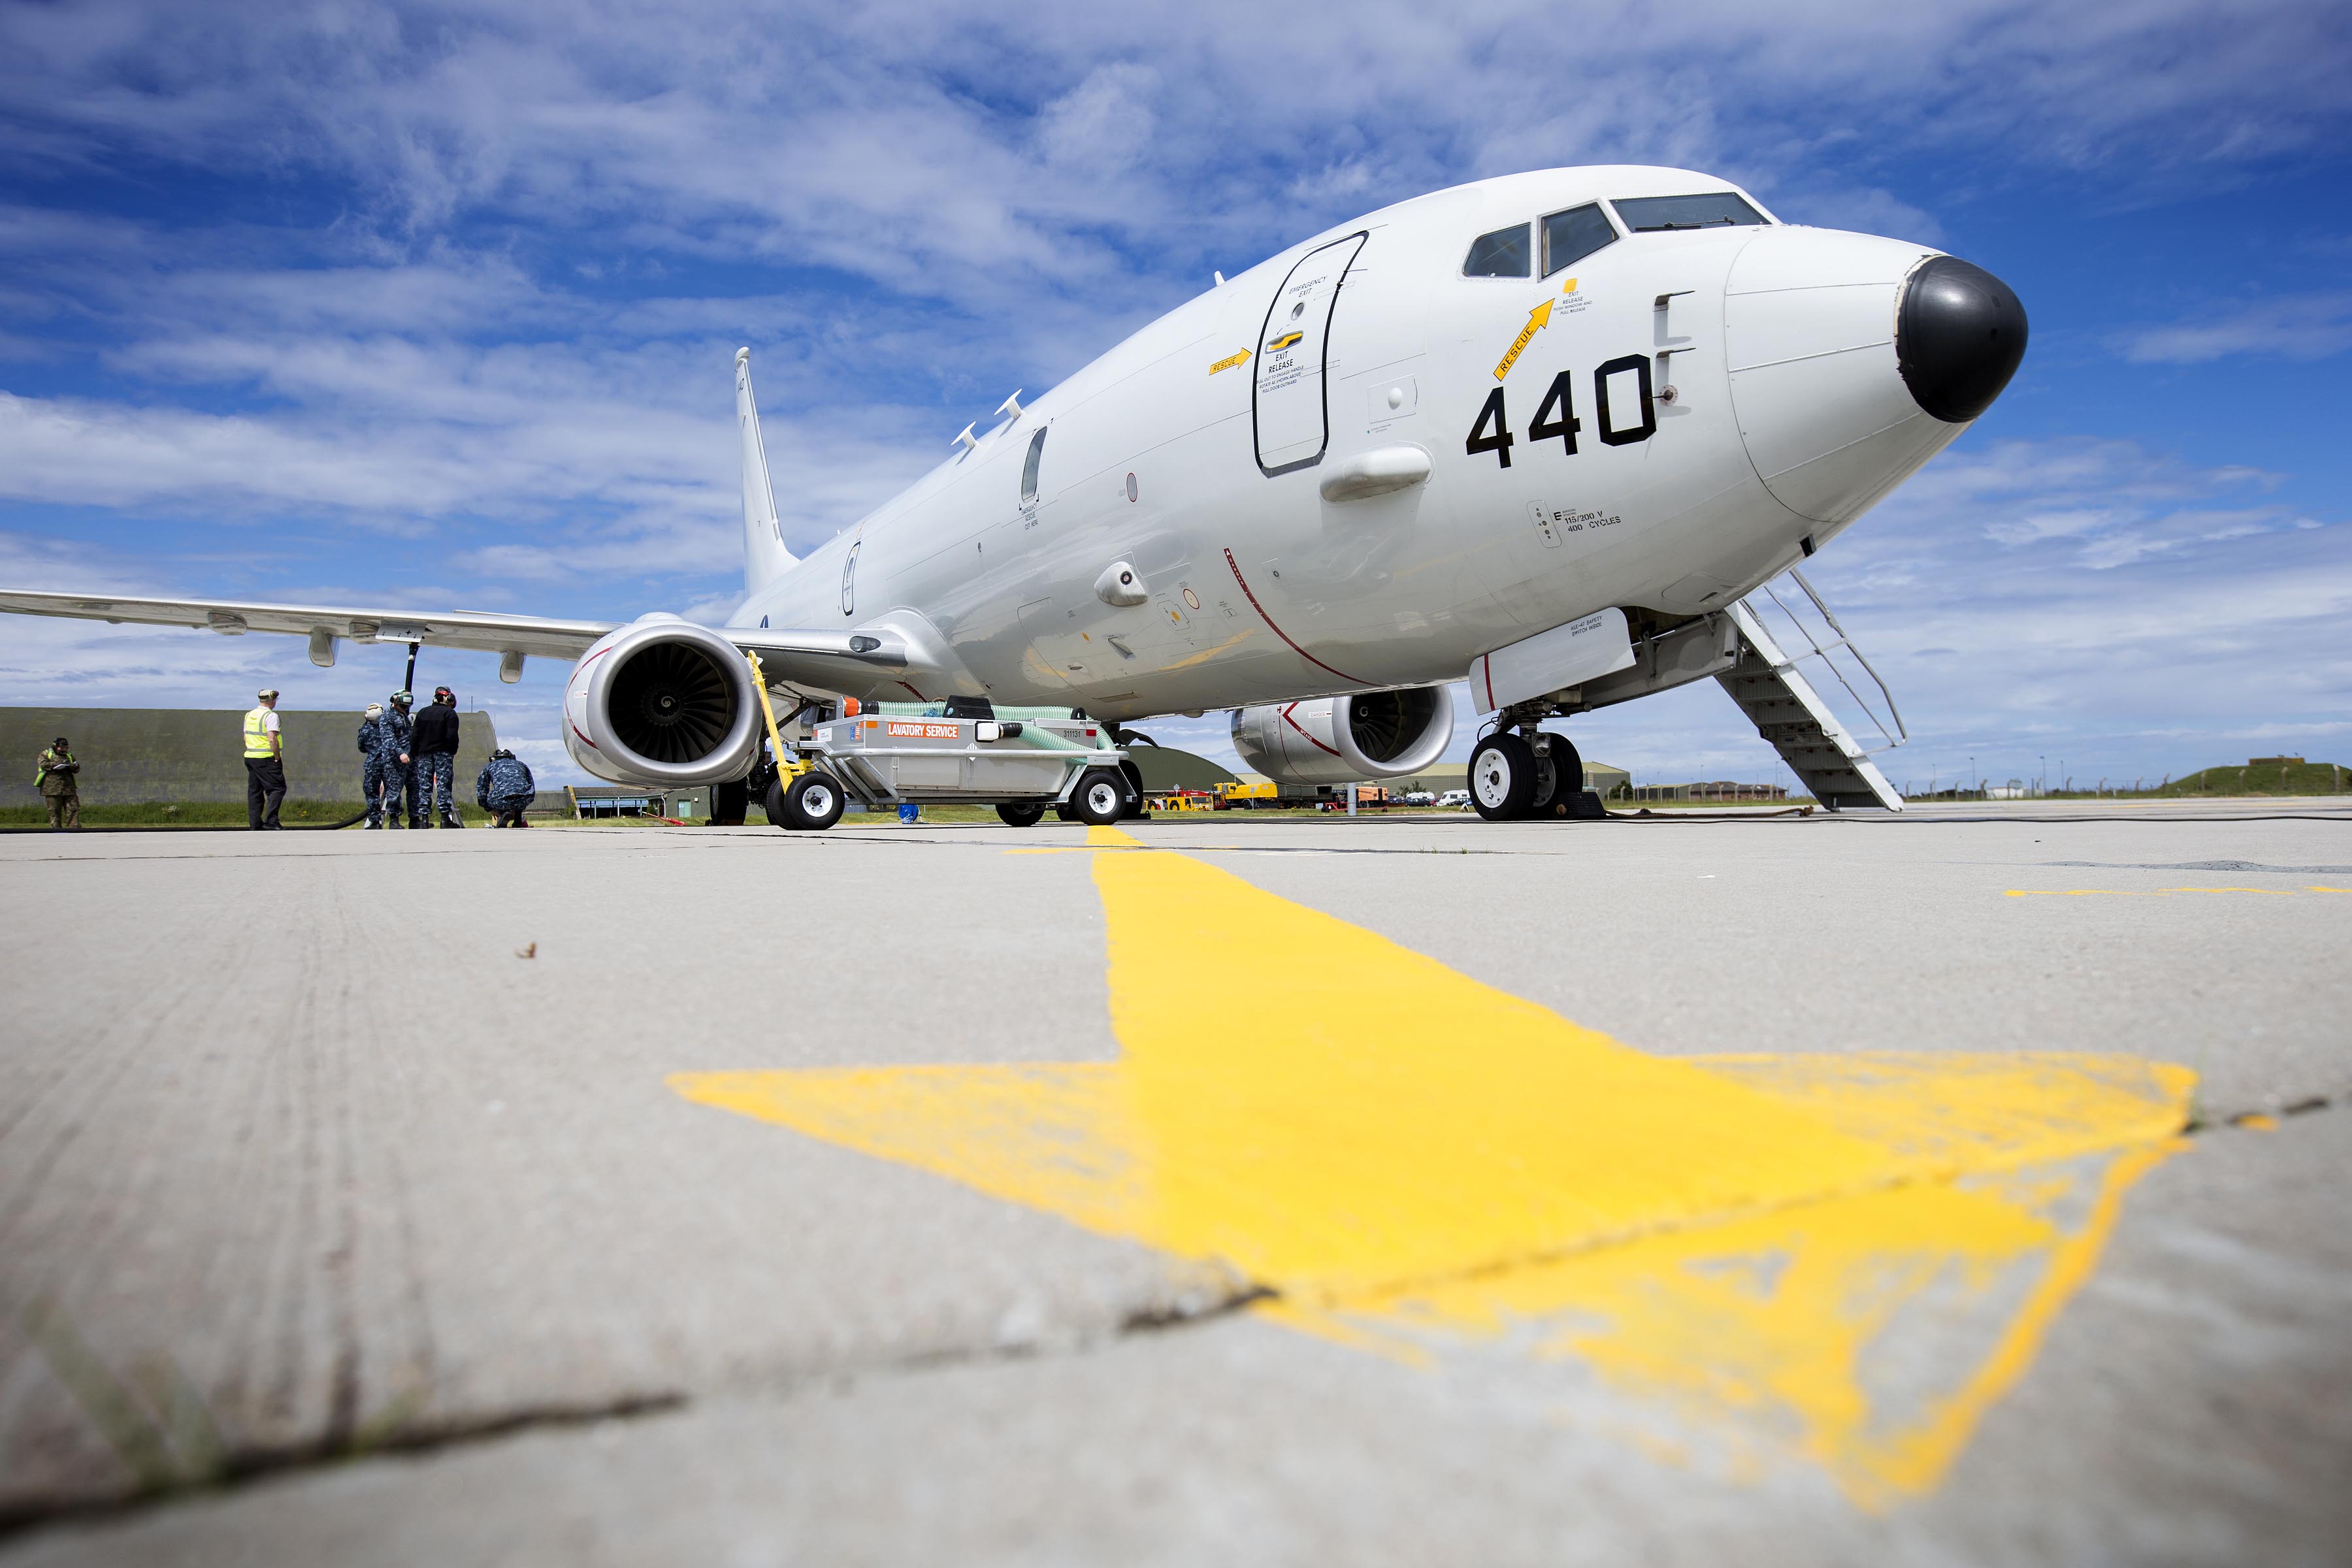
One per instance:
(2265, 1117)
(234, 1470)
(1212, 1298)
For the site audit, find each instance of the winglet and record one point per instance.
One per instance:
(764, 556)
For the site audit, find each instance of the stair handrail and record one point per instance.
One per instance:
(1894, 738)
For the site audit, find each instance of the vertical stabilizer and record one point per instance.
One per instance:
(765, 559)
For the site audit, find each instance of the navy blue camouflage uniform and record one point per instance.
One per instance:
(505, 789)
(433, 750)
(371, 776)
(386, 768)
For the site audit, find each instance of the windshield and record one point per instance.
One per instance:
(1719, 209)
(1569, 236)
(1502, 254)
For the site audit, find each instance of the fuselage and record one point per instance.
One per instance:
(1563, 476)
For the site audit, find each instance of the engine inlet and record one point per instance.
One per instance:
(672, 703)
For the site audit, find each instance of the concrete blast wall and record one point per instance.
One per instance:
(181, 754)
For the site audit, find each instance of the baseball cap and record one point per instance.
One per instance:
(401, 697)
(267, 691)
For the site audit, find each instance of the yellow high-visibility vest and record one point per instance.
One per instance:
(256, 737)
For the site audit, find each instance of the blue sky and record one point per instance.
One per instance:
(436, 306)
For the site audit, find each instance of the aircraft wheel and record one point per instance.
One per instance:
(1100, 798)
(1026, 815)
(811, 803)
(1559, 778)
(1546, 785)
(1502, 776)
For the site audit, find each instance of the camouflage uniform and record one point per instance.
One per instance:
(505, 789)
(371, 769)
(433, 745)
(395, 776)
(435, 781)
(60, 791)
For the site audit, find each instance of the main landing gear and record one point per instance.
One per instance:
(1513, 776)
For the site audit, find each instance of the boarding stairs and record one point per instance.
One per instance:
(1777, 637)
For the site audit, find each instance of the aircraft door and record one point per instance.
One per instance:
(1286, 400)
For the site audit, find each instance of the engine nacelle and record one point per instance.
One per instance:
(662, 702)
(1340, 740)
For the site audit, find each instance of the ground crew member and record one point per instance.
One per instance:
(505, 789)
(434, 743)
(392, 761)
(61, 788)
(370, 774)
(265, 761)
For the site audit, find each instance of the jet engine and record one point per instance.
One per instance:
(1340, 740)
(662, 702)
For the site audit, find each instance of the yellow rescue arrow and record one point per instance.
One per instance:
(1538, 319)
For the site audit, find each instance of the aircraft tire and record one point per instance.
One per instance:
(1502, 776)
(1100, 798)
(1028, 814)
(1560, 777)
(811, 803)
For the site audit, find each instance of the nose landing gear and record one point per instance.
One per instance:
(1502, 776)
(1514, 776)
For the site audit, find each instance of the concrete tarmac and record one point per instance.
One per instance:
(1950, 1188)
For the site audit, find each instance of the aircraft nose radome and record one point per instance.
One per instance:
(1809, 321)
(1959, 338)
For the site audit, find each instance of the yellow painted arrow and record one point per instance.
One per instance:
(1852, 1254)
(1538, 319)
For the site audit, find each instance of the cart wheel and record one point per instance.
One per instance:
(811, 803)
(1026, 815)
(1134, 776)
(1100, 798)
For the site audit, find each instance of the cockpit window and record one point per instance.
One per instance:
(1029, 468)
(1569, 236)
(1719, 209)
(1502, 254)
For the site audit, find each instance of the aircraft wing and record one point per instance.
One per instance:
(456, 628)
(825, 659)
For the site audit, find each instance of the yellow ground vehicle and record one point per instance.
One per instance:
(1238, 794)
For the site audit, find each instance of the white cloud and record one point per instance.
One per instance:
(2299, 327)
(1105, 123)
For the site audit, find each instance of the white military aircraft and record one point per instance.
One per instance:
(1536, 432)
